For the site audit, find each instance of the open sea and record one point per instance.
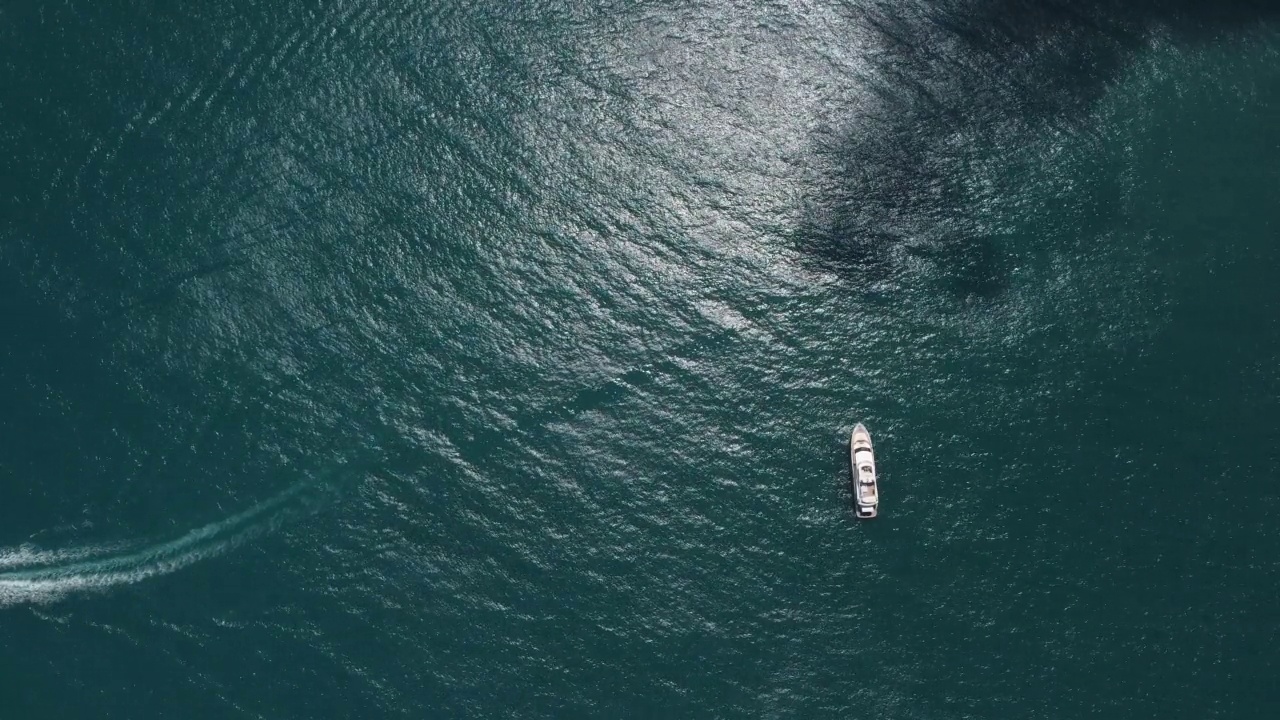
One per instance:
(497, 359)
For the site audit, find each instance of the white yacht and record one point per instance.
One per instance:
(866, 494)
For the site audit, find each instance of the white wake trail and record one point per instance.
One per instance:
(45, 576)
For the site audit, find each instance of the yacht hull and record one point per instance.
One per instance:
(862, 467)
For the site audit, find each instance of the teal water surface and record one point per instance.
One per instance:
(434, 359)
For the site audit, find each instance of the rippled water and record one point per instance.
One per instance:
(392, 359)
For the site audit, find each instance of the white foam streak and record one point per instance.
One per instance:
(45, 576)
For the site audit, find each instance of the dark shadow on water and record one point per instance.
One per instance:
(973, 268)
(951, 84)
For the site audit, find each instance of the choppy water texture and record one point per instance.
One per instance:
(411, 359)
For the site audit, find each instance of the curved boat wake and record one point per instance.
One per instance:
(29, 575)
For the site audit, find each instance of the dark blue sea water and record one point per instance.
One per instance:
(397, 359)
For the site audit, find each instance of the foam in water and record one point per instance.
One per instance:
(32, 575)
